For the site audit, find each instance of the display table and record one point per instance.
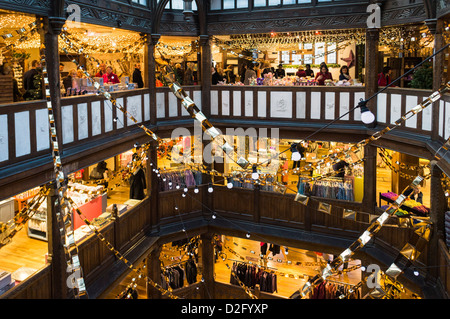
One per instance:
(416, 210)
(90, 210)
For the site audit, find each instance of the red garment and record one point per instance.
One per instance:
(110, 78)
(325, 76)
(383, 79)
(99, 74)
(301, 74)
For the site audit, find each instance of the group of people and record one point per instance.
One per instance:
(105, 72)
(252, 70)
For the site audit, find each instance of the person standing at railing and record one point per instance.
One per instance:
(344, 76)
(249, 73)
(102, 70)
(137, 76)
(280, 72)
(308, 70)
(31, 80)
(110, 77)
(384, 78)
(323, 75)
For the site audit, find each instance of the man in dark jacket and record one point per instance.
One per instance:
(29, 81)
(137, 76)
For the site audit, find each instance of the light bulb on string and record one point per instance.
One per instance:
(363, 268)
(210, 188)
(229, 184)
(214, 216)
(177, 186)
(255, 174)
(416, 272)
(196, 190)
(247, 235)
(185, 189)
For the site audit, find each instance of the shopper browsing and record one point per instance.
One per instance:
(384, 78)
(110, 77)
(101, 71)
(301, 73)
(344, 76)
(137, 76)
(31, 81)
(280, 72)
(323, 75)
(249, 73)
(308, 71)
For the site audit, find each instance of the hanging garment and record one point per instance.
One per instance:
(137, 185)
(191, 271)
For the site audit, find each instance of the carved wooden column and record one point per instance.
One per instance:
(52, 29)
(150, 72)
(205, 73)
(372, 67)
(154, 272)
(208, 265)
(370, 179)
(436, 27)
(56, 256)
(437, 211)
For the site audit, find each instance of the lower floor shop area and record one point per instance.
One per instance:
(95, 195)
(269, 268)
(115, 185)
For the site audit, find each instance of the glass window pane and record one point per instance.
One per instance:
(296, 58)
(285, 57)
(331, 57)
(274, 2)
(216, 5)
(242, 4)
(318, 52)
(167, 5)
(260, 3)
(228, 4)
(194, 5)
(303, 1)
(287, 2)
(308, 46)
(177, 4)
(308, 59)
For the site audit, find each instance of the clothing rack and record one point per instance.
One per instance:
(253, 264)
(338, 282)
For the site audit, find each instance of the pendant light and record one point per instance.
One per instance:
(210, 188)
(255, 174)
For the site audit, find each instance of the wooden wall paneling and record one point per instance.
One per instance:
(37, 286)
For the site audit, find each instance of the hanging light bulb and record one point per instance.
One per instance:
(170, 183)
(367, 117)
(229, 184)
(185, 189)
(214, 216)
(177, 186)
(255, 174)
(210, 188)
(363, 268)
(247, 235)
(196, 190)
(183, 195)
(416, 272)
